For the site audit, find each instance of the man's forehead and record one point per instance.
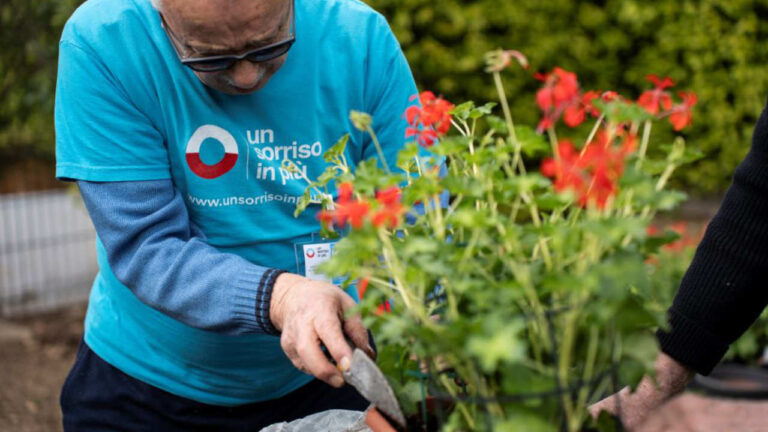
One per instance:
(224, 25)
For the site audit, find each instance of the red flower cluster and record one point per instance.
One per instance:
(430, 120)
(592, 174)
(659, 102)
(391, 211)
(362, 287)
(355, 212)
(347, 209)
(682, 115)
(651, 100)
(561, 97)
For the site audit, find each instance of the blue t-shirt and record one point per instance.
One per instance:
(128, 110)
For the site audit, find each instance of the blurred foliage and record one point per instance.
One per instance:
(714, 47)
(710, 46)
(29, 36)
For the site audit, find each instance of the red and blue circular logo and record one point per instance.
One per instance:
(221, 167)
(310, 253)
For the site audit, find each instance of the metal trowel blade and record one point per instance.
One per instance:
(366, 377)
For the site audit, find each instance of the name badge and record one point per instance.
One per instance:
(316, 254)
(311, 254)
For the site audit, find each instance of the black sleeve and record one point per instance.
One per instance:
(724, 290)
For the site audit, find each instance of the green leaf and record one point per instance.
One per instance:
(302, 203)
(406, 157)
(608, 423)
(497, 344)
(335, 152)
(450, 146)
(463, 110)
(532, 143)
(478, 112)
(329, 174)
(621, 112)
(520, 420)
(497, 124)
(668, 200)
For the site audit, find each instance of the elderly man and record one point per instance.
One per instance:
(208, 312)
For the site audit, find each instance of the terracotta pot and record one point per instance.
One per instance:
(377, 422)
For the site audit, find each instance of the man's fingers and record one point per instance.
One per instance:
(316, 362)
(354, 328)
(604, 405)
(330, 334)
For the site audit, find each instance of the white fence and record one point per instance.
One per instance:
(47, 251)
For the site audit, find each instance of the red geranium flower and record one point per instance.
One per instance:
(593, 174)
(346, 209)
(682, 114)
(565, 168)
(560, 89)
(425, 137)
(430, 120)
(362, 286)
(651, 100)
(391, 210)
(560, 96)
(384, 308)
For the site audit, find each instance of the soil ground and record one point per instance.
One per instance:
(36, 354)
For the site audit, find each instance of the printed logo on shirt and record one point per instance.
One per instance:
(219, 168)
(264, 162)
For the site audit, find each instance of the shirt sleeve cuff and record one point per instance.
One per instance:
(253, 293)
(691, 344)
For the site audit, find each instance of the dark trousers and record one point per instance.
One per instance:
(99, 397)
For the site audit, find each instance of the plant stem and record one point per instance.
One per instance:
(462, 408)
(439, 225)
(565, 363)
(553, 143)
(505, 107)
(592, 134)
(375, 140)
(644, 144)
(589, 369)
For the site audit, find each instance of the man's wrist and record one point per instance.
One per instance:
(280, 288)
(671, 376)
(264, 294)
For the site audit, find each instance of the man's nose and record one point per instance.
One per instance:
(246, 74)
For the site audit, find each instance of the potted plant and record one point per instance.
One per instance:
(528, 293)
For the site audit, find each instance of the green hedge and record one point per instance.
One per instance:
(29, 36)
(715, 47)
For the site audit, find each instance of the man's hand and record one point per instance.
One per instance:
(310, 313)
(671, 379)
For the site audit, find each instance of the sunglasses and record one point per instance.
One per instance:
(223, 62)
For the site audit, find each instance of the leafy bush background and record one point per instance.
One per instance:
(715, 47)
(711, 46)
(29, 42)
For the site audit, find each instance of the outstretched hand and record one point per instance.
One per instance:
(634, 407)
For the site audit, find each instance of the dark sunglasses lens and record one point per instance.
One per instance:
(210, 65)
(270, 53)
